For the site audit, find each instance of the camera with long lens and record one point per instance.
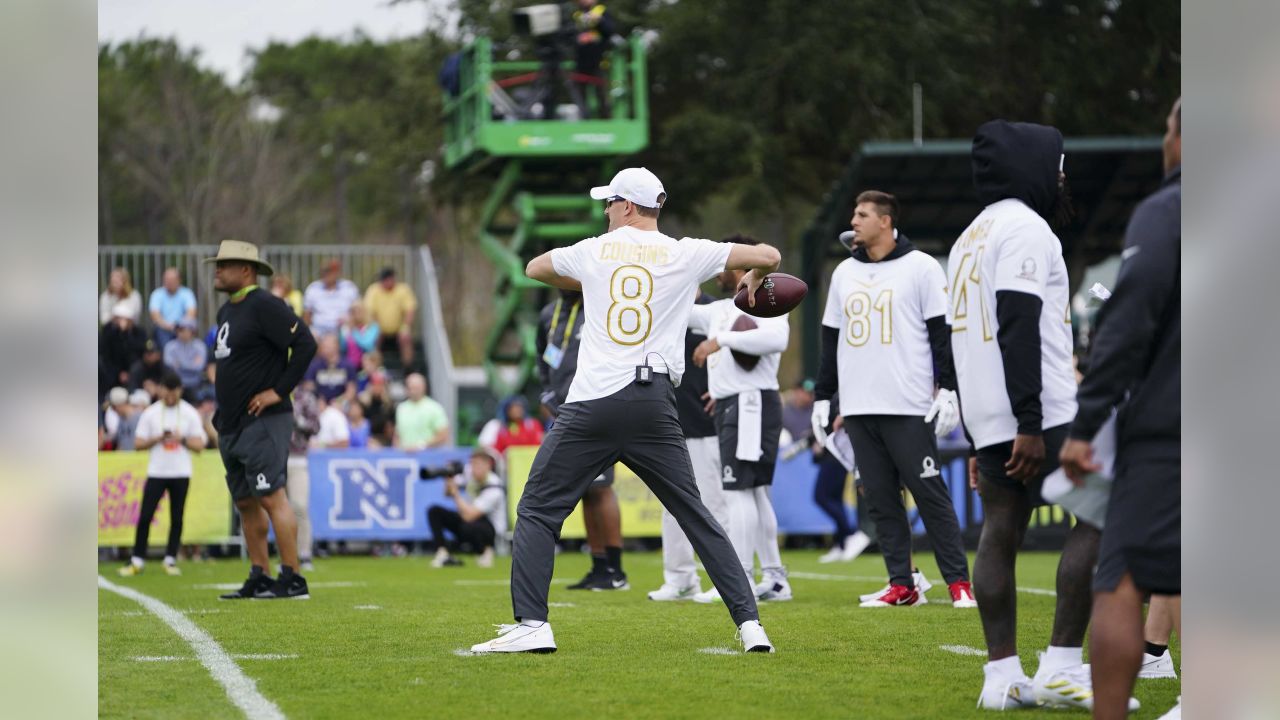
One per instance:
(437, 472)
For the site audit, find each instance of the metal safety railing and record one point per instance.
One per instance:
(301, 263)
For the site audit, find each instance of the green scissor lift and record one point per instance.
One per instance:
(528, 211)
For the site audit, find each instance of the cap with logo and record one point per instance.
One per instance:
(635, 184)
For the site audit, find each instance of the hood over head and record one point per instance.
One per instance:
(1017, 160)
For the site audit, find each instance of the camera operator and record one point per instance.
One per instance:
(595, 27)
(481, 513)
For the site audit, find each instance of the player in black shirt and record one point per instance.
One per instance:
(262, 351)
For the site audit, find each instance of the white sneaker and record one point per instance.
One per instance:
(776, 590)
(920, 598)
(709, 597)
(442, 556)
(1005, 692)
(670, 593)
(832, 555)
(1157, 667)
(1175, 712)
(854, 545)
(1068, 687)
(874, 595)
(922, 583)
(485, 560)
(519, 638)
(753, 637)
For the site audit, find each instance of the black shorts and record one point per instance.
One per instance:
(738, 474)
(255, 456)
(1143, 533)
(991, 461)
(604, 479)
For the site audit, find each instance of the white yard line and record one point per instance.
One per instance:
(718, 651)
(963, 650)
(241, 689)
(250, 656)
(368, 607)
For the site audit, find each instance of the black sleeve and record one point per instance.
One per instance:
(1127, 323)
(1019, 336)
(607, 27)
(944, 368)
(287, 331)
(828, 372)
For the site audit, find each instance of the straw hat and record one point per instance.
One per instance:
(243, 252)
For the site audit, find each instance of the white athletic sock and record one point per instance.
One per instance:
(532, 623)
(767, 537)
(170, 560)
(742, 530)
(1006, 667)
(137, 561)
(1056, 658)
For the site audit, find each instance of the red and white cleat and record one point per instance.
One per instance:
(962, 594)
(894, 596)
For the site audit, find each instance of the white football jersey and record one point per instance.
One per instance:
(725, 377)
(637, 291)
(884, 360)
(1008, 247)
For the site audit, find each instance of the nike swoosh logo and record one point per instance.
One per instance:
(1130, 252)
(293, 329)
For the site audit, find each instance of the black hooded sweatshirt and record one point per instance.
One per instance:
(939, 338)
(1019, 161)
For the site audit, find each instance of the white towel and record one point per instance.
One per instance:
(1089, 501)
(841, 448)
(750, 418)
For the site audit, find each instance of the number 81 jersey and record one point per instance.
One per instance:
(638, 287)
(884, 360)
(1008, 247)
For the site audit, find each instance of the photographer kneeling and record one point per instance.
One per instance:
(479, 517)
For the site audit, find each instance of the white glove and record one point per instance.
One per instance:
(946, 407)
(819, 419)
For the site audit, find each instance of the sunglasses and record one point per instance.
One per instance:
(613, 200)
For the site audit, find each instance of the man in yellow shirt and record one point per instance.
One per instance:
(391, 304)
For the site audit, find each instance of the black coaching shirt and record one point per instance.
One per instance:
(254, 340)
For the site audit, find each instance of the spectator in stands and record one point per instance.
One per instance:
(282, 287)
(391, 306)
(327, 301)
(148, 371)
(359, 336)
(370, 368)
(519, 428)
(380, 409)
(121, 344)
(115, 409)
(420, 421)
(358, 424)
(119, 291)
(332, 376)
(206, 405)
(797, 407)
(170, 303)
(187, 356)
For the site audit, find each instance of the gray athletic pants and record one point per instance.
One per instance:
(638, 426)
(897, 451)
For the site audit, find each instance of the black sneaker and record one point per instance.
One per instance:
(612, 580)
(588, 581)
(293, 586)
(255, 583)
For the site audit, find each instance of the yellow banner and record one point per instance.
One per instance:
(641, 511)
(206, 517)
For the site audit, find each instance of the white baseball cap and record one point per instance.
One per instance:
(635, 184)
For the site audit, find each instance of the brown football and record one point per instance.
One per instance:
(747, 362)
(778, 295)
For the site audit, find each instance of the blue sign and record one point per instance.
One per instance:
(375, 495)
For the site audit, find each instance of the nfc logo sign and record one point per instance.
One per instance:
(368, 493)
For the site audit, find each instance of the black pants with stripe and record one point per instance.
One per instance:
(897, 451)
(637, 425)
(151, 494)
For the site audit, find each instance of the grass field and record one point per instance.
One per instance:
(387, 638)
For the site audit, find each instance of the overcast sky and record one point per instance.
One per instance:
(224, 30)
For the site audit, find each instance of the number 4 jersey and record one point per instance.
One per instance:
(1008, 247)
(884, 360)
(638, 287)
